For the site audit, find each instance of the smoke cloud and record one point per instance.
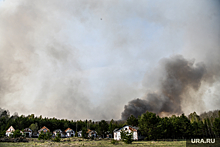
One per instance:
(180, 76)
(181, 85)
(88, 59)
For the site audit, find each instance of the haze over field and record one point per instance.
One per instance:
(93, 59)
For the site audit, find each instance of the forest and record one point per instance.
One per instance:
(151, 126)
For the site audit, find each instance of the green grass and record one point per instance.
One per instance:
(76, 142)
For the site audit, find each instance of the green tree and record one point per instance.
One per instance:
(112, 126)
(16, 133)
(102, 128)
(2, 133)
(76, 134)
(34, 127)
(132, 121)
(84, 134)
(148, 125)
(216, 126)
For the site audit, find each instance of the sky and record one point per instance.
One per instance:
(88, 59)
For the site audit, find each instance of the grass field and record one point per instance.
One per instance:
(76, 142)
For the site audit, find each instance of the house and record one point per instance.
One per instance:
(9, 131)
(92, 133)
(44, 129)
(27, 132)
(79, 134)
(62, 134)
(69, 132)
(129, 129)
(57, 131)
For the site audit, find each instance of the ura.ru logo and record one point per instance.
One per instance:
(207, 140)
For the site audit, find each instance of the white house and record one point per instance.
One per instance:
(62, 134)
(79, 134)
(69, 132)
(129, 129)
(27, 132)
(9, 131)
(92, 133)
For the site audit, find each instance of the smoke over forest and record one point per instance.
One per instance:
(109, 59)
(179, 78)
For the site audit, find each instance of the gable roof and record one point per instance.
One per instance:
(10, 129)
(92, 132)
(44, 128)
(57, 130)
(88, 131)
(27, 130)
(68, 130)
(130, 128)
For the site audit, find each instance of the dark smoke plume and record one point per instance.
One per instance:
(180, 76)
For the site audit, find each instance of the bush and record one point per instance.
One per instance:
(2, 134)
(44, 136)
(126, 137)
(57, 138)
(114, 141)
(47, 136)
(41, 135)
(16, 134)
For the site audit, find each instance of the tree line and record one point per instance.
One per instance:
(150, 125)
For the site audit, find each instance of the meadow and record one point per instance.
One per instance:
(77, 142)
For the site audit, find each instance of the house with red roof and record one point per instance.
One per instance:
(69, 132)
(44, 129)
(9, 131)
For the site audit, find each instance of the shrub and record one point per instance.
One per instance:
(47, 135)
(57, 137)
(16, 133)
(2, 134)
(114, 141)
(126, 137)
(44, 136)
(41, 135)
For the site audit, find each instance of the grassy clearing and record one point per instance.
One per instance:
(77, 142)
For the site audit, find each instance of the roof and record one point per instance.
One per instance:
(27, 130)
(12, 129)
(57, 130)
(88, 131)
(92, 132)
(43, 129)
(116, 129)
(130, 128)
(68, 130)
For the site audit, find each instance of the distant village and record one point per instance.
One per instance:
(27, 132)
